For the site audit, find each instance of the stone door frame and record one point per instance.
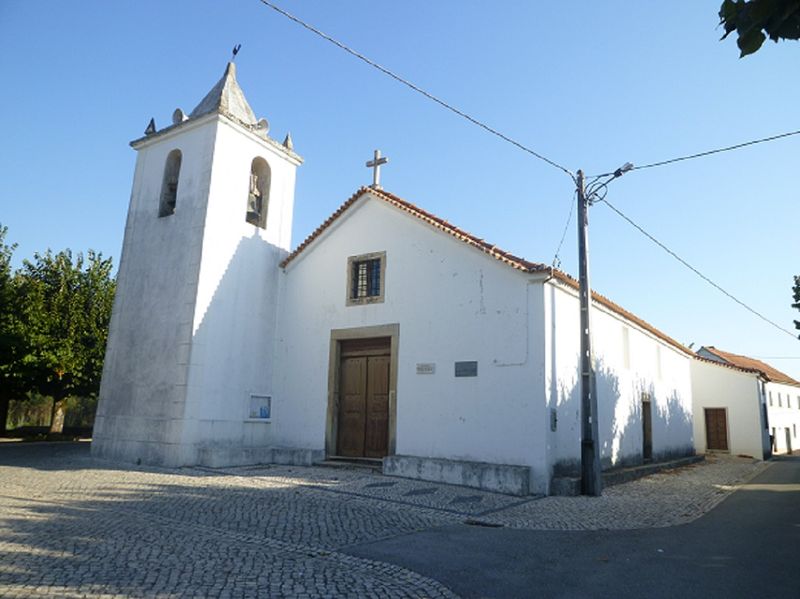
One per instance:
(334, 363)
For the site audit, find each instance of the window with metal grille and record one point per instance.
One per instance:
(365, 278)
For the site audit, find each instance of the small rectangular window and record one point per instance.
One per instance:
(365, 278)
(770, 399)
(626, 347)
(780, 403)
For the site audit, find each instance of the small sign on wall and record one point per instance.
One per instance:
(466, 369)
(261, 407)
(426, 368)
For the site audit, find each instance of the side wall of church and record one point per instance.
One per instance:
(143, 391)
(452, 303)
(631, 364)
(233, 331)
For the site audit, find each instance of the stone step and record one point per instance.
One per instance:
(371, 464)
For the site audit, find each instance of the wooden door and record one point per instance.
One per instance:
(647, 430)
(363, 427)
(716, 429)
(376, 442)
(352, 407)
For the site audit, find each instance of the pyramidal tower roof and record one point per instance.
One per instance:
(226, 97)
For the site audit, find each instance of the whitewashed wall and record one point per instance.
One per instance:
(142, 394)
(233, 332)
(192, 331)
(452, 303)
(784, 415)
(628, 362)
(739, 393)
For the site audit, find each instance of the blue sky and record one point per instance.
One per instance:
(591, 85)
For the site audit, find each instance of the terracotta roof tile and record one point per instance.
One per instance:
(768, 371)
(727, 365)
(484, 246)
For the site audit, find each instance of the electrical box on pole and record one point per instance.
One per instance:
(591, 479)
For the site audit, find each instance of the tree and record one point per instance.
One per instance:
(65, 311)
(755, 20)
(796, 304)
(12, 384)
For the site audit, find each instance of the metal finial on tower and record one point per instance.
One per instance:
(236, 49)
(375, 165)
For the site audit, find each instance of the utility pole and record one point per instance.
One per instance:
(591, 480)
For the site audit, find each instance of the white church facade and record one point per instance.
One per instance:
(388, 334)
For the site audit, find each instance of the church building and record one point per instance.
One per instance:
(388, 334)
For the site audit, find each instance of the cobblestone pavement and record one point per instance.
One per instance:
(665, 499)
(71, 526)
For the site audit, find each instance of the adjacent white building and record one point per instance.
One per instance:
(777, 398)
(730, 411)
(389, 333)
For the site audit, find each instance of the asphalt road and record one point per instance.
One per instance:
(748, 546)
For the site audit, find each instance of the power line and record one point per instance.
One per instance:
(697, 272)
(710, 152)
(532, 152)
(416, 88)
(556, 259)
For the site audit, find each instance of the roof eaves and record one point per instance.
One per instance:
(614, 307)
(427, 217)
(492, 250)
(755, 371)
(771, 373)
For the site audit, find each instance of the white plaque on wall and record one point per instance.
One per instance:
(426, 368)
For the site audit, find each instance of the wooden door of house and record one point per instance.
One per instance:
(716, 429)
(363, 428)
(647, 428)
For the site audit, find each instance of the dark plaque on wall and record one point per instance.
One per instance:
(466, 369)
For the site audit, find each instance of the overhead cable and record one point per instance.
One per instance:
(697, 272)
(416, 88)
(556, 258)
(710, 152)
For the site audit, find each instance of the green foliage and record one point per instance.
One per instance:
(755, 20)
(54, 315)
(796, 304)
(33, 411)
(11, 337)
(65, 310)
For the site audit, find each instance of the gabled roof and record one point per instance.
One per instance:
(492, 250)
(770, 373)
(226, 97)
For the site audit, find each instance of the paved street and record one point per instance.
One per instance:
(71, 526)
(749, 546)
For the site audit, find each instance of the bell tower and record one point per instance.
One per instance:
(187, 377)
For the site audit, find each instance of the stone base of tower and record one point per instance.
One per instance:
(136, 441)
